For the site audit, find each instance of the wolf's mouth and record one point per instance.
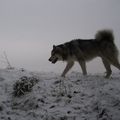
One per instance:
(54, 61)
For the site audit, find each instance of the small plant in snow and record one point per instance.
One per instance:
(24, 85)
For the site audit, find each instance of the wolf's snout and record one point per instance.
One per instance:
(53, 59)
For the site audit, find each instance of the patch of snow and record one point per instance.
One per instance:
(75, 97)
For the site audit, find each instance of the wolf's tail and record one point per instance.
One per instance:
(105, 35)
(105, 39)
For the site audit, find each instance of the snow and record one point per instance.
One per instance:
(75, 97)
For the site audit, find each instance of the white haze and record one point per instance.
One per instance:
(29, 28)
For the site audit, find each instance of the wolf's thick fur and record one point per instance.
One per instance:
(82, 50)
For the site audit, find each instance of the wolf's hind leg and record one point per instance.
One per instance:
(107, 67)
(67, 68)
(83, 67)
(114, 61)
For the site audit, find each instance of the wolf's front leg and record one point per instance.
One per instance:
(67, 68)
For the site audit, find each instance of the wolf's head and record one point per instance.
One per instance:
(56, 54)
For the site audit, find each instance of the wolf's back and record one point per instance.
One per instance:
(105, 35)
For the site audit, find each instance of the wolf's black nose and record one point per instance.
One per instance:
(49, 59)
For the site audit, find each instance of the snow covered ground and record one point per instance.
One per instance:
(54, 98)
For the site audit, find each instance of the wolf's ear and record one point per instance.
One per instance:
(54, 46)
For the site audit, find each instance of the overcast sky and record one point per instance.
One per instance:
(29, 28)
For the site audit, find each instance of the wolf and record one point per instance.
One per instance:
(83, 50)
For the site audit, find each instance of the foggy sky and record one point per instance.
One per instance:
(29, 28)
